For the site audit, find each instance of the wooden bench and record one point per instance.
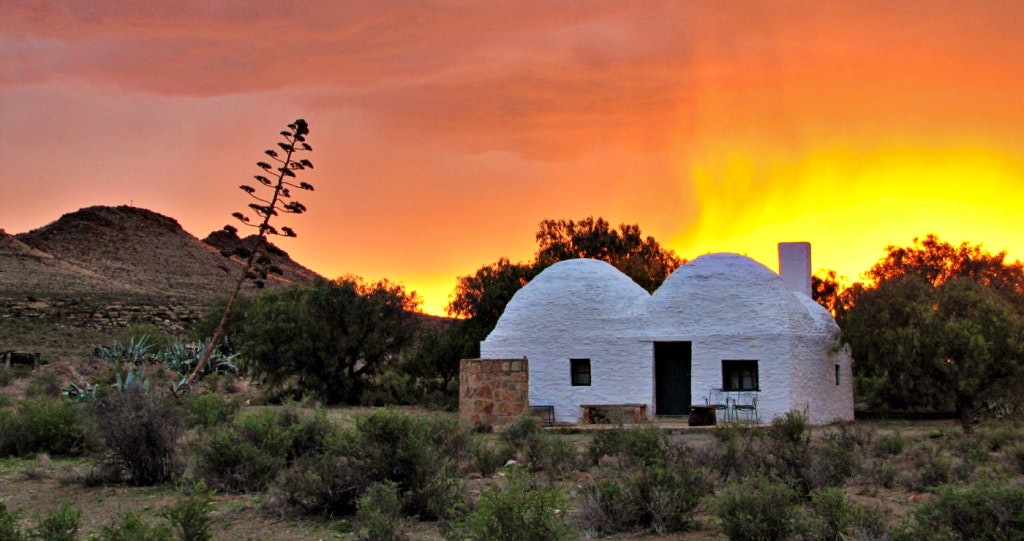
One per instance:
(703, 415)
(593, 412)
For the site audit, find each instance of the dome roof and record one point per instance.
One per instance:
(726, 294)
(581, 295)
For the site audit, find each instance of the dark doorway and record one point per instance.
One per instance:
(672, 377)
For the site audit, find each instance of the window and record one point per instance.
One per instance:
(580, 372)
(837, 374)
(739, 376)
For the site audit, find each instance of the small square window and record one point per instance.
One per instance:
(739, 376)
(837, 374)
(580, 372)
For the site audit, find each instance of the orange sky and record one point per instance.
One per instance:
(444, 132)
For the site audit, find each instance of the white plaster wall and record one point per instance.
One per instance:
(728, 306)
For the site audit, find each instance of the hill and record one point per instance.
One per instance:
(103, 268)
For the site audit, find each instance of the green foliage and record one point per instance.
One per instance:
(206, 410)
(133, 528)
(190, 516)
(140, 432)
(488, 458)
(9, 530)
(938, 331)
(480, 298)
(979, 511)
(246, 455)
(43, 425)
(328, 338)
(519, 434)
(518, 512)
(380, 513)
(663, 495)
(833, 517)
(891, 444)
(182, 358)
(645, 444)
(61, 525)
(322, 484)
(757, 509)
(128, 361)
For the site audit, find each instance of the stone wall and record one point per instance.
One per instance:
(493, 391)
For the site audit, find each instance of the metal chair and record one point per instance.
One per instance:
(717, 399)
(745, 404)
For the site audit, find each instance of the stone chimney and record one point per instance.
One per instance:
(795, 266)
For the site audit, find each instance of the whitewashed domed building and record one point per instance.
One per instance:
(723, 321)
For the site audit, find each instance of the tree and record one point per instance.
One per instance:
(825, 290)
(936, 262)
(642, 259)
(481, 298)
(328, 338)
(256, 267)
(956, 347)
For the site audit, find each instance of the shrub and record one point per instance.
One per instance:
(737, 453)
(933, 469)
(757, 508)
(140, 433)
(553, 455)
(830, 462)
(519, 434)
(891, 444)
(61, 525)
(321, 485)
(207, 410)
(190, 516)
(380, 513)
(645, 444)
(43, 424)
(414, 453)
(488, 458)
(246, 455)
(133, 528)
(9, 530)
(1017, 457)
(834, 517)
(662, 497)
(519, 512)
(979, 511)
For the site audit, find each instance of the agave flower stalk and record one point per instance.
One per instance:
(281, 181)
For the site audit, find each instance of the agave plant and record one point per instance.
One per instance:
(128, 361)
(182, 358)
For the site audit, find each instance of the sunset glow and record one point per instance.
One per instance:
(443, 133)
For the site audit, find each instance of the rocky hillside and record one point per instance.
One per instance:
(104, 267)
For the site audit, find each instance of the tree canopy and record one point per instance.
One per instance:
(940, 329)
(481, 297)
(328, 338)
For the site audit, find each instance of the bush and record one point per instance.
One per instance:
(552, 455)
(488, 458)
(834, 517)
(133, 528)
(207, 410)
(43, 424)
(519, 434)
(891, 445)
(662, 497)
(61, 525)
(519, 512)
(980, 511)
(380, 513)
(9, 530)
(140, 433)
(246, 455)
(756, 509)
(417, 454)
(190, 516)
(645, 444)
(322, 485)
(738, 452)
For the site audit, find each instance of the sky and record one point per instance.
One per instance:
(444, 132)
